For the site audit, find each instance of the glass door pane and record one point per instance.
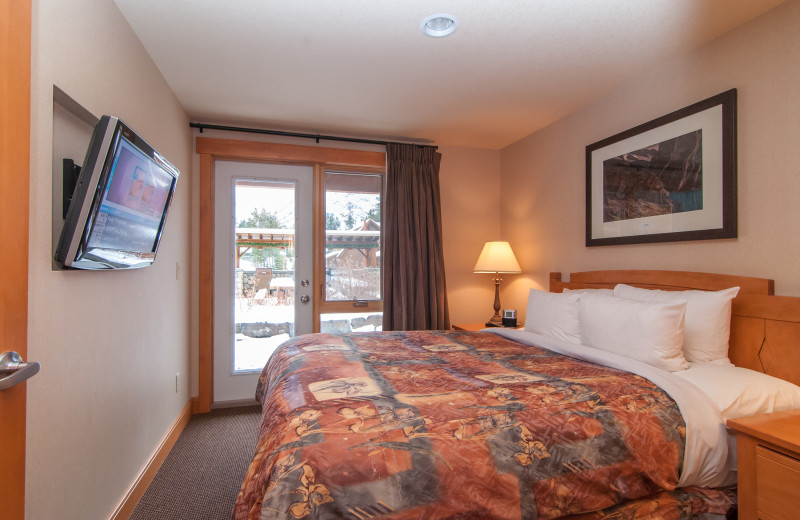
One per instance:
(264, 300)
(263, 248)
(352, 252)
(352, 236)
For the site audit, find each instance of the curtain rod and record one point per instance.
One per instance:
(316, 137)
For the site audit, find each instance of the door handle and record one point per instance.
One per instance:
(14, 371)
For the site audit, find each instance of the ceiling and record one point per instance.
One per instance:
(362, 68)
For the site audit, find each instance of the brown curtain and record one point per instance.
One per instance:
(414, 289)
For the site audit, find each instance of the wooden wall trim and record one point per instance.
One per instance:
(15, 132)
(317, 245)
(206, 286)
(262, 151)
(125, 508)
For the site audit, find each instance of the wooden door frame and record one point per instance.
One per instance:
(210, 150)
(15, 142)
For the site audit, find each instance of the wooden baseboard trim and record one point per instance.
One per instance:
(235, 404)
(200, 405)
(128, 503)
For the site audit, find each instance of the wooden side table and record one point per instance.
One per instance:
(768, 458)
(469, 326)
(474, 327)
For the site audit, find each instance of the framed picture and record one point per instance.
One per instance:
(668, 180)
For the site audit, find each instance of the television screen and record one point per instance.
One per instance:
(120, 203)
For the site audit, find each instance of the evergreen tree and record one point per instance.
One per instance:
(375, 212)
(266, 256)
(262, 219)
(332, 222)
(349, 218)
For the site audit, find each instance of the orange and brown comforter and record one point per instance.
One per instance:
(429, 425)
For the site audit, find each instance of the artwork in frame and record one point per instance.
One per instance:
(667, 180)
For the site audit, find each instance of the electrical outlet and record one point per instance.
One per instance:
(177, 381)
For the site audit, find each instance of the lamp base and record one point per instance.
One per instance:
(495, 321)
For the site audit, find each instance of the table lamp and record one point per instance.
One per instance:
(497, 257)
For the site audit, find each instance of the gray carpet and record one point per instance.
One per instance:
(201, 476)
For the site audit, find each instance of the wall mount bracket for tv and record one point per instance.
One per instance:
(71, 171)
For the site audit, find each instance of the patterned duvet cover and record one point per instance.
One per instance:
(462, 425)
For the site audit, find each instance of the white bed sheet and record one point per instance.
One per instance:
(710, 453)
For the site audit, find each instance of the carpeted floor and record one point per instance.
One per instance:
(201, 476)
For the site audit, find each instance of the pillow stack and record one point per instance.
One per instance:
(666, 329)
(708, 319)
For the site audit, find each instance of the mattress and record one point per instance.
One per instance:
(432, 424)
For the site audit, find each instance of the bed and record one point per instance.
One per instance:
(510, 424)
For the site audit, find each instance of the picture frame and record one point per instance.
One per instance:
(670, 179)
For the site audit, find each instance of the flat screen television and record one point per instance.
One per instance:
(120, 202)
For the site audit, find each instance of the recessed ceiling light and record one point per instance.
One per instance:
(439, 25)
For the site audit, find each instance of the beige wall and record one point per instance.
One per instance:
(547, 169)
(471, 215)
(109, 343)
(106, 394)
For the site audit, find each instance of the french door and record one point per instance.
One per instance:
(343, 273)
(262, 270)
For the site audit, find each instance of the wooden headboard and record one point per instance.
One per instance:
(765, 329)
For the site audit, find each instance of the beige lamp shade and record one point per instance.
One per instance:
(497, 257)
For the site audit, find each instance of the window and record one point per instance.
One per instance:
(351, 296)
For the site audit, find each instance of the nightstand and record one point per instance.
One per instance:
(478, 326)
(768, 458)
(469, 326)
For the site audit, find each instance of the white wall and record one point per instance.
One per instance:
(547, 168)
(110, 343)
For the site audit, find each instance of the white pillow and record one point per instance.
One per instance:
(607, 292)
(554, 315)
(739, 392)
(708, 319)
(648, 332)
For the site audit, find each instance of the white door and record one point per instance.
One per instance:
(262, 268)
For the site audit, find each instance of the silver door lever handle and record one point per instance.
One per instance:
(14, 371)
